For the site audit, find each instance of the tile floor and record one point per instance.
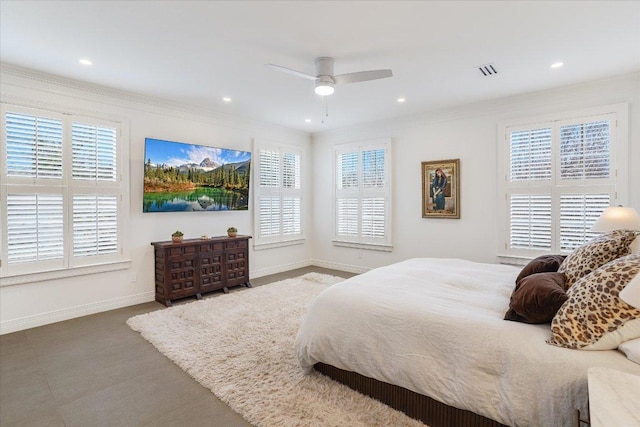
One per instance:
(96, 371)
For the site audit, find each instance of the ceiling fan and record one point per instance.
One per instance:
(325, 79)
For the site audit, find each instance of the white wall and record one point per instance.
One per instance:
(33, 304)
(470, 134)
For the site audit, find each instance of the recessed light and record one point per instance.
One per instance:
(557, 65)
(85, 61)
(401, 100)
(226, 99)
(307, 120)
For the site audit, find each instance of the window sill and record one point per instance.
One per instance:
(20, 279)
(514, 260)
(262, 246)
(369, 246)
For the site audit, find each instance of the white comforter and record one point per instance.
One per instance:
(435, 326)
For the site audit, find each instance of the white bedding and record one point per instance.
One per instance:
(435, 326)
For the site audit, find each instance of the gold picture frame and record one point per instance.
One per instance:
(441, 189)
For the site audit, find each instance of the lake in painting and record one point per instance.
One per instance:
(200, 199)
(182, 177)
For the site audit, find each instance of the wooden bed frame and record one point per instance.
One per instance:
(417, 406)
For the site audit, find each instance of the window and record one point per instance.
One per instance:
(278, 195)
(560, 175)
(62, 192)
(363, 195)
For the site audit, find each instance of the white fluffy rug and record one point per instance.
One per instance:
(240, 346)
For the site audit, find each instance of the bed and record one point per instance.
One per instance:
(433, 328)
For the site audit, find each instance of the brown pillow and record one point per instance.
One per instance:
(544, 263)
(537, 298)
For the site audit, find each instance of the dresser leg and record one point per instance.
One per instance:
(248, 285)
(168, 303)
(198, 295)
(225, 290)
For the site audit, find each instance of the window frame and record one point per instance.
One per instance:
(70, 265)
(360, 241)
(280, 192)
(617, 185)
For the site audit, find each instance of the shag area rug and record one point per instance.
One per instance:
(240, 346)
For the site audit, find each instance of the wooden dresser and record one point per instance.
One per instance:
(195, 266)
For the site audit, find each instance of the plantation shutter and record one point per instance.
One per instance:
(362, 195)
(347, 170)
(347, 207)
(95, 225)
(35, 227)
(95, 202)
(35, 223)
(348, 216)
(559, 180)
(584, 150)
(291, 197)
(269, 168)
(62, 193)
(94, 152)
(33, 146)
(279, 194)
(373, 217)
(585, 156)
(373, 189)
(578, 213)
(291, 215)
(269, 216)
(530, 221)
(291, 171)
(531, 155)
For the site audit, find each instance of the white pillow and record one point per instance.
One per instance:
(631, 349)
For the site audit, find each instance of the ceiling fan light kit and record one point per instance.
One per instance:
(325, 79)
(324, 86)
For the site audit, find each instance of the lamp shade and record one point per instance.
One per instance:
(617, 218)
(631, 293)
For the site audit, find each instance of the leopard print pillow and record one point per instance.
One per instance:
(594, 317)
(595, 253)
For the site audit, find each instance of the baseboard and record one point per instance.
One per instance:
(349, 268)
(33, 321)
(308, 263)
(280, 268)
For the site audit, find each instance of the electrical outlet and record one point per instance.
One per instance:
(134, 278)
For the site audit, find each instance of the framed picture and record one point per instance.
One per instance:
(181, 177)
(441, 189)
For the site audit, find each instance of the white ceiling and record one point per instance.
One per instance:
(196, 52)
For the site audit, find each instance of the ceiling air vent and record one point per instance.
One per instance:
(487, 69)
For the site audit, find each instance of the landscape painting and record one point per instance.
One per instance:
(180, 177)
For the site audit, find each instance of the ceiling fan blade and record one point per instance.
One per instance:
(362, 76)
(290, 71)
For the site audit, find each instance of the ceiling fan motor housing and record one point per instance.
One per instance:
(324, 67)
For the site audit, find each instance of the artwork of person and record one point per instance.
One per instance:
(437, 187)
